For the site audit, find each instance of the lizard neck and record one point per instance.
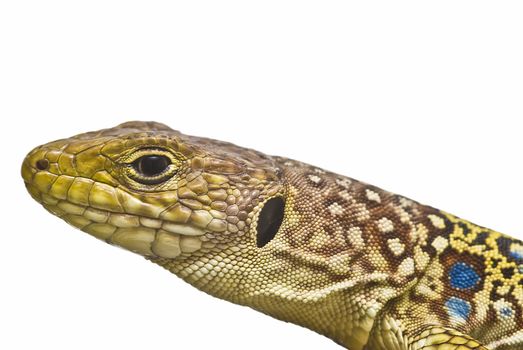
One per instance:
(343, 252)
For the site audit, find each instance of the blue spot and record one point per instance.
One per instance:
(506, 311)
(463, 276)
(457, 307)
(516, 255)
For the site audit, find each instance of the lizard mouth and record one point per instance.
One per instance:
(140, 234)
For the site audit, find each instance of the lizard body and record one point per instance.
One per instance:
(360, 265)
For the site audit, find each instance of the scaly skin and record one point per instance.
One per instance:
(367, 268)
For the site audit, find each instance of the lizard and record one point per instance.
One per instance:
(367, 268)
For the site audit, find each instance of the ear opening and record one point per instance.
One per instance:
(269, 220)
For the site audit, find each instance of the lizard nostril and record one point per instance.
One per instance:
(42, 164)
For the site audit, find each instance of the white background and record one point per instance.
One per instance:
(420, 98)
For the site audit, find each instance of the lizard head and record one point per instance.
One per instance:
(190, 204)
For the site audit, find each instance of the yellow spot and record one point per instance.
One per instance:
(437, 221)
(345, 195)
(320, 239)
(406, 267)
(420, 234)
(421, 258)
(314, 178)
(404, 216)
(385, 225)
(396, 247)
(440, 243)
(344, 182)
(361, 212)
(335, 209)
(355, 237)
(373, 196)
(404, 202)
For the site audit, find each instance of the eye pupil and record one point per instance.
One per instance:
(151, 165)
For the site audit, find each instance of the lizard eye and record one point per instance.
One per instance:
(151, 166)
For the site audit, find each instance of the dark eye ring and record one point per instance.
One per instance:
(151, 165)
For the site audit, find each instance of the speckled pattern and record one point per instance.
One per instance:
(365, 267)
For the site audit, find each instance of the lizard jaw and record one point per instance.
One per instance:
(142, 235)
